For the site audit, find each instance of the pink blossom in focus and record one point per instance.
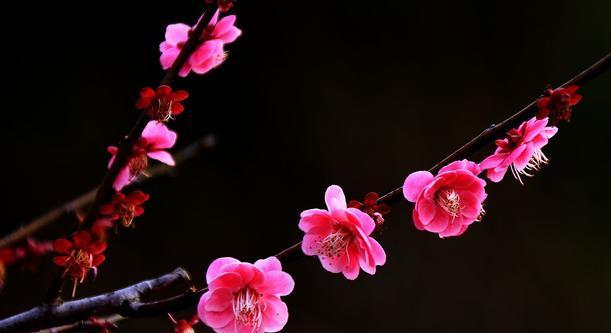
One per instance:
(155, 139)
(209, 54)
(448, 203)
(519, 151)
(340, 238)
(245, 298)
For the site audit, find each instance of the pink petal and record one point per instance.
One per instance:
(177, 33)
(335, 198)
(277, 283)
(377, 251)
(414, 183)
(311, 244)
(351, 271)
(158, 135)
(416, 220)
(462, 164)
(270, 264)
(361, 219)
(123, 178)
(229, 280)
(250, 274)
(162, 156)
(219, 300)
(496, 174)
(454, 228)
(225, 29)
(492, 161)
(439, 223)
(219, 319)
(315, 218)
(535, 127)
(427, 209)
(470, 206)
(168, 56)
(276, 314)
(214, 269)
(522, 160)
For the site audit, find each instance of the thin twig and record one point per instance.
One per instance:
(74, 205)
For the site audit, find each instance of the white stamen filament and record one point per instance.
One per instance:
(335, 243)
(248, 308)
(449, 201)
(534, 164)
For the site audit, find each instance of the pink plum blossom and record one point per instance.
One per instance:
(340, 237)
(519, 151)
(155, 139)
(245, 298)
(208, 54)
(448, 203)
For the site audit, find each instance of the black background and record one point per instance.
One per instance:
(314, 93)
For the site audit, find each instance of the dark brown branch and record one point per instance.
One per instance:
(189, 299)
(116, 302)
(498, 131)
(105, 190)
(84, 199)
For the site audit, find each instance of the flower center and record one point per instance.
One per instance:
(138, 164)
(534, 164)
(81, 262)
(126, 210)
(336, 243)
(161, 109)
(448, 200)
(248, 308)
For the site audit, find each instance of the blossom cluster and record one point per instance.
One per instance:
(83, 252)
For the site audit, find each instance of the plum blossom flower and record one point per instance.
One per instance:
(371, 207)
(449, 202)
(557, 104)
(125, 207)
(79, 256)
(209, 53)
(161, 104)
(155, 139)
(340, 237)
(244, 297)
(520, 151)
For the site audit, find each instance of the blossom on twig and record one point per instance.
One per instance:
(125, 207)
(557, 104)
(154, 141)
(209, 53)
(244, 297)
(161, 104)
(520, 151)
(449, 202)
(340, 237)
(79, 256)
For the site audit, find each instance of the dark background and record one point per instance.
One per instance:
(314, 93)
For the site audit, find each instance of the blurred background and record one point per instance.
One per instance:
(355, 93)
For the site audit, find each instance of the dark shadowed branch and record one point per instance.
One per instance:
(78, 203)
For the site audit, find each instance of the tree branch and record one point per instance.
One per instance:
(116, 302)
(159, 170)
